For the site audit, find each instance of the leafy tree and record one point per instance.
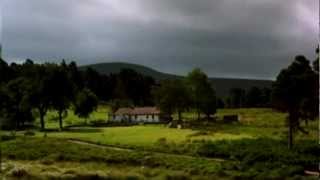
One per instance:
(16, 106)
(266, 97)
(120, 91)
(316, 62)
(237, 98)
(201, 92)
(296, 92)
(134, 86)
(172, 96)
(196, 81)
(208, 103)
(75, 75)
(62, 89)
(119, 103)
(5, 72)
(220, 103)
(86, 103)
(254, 97)
(92, 80)
(3, 102)
(41, 95)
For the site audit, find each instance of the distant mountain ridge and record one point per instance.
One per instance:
(221, 85)
(115, 67)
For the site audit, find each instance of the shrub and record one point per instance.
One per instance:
(18, 173)
(162, 140)
(7, 137)
(264, 155)
(29, 133)
(177, 176)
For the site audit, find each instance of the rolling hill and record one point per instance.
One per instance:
(221, 85)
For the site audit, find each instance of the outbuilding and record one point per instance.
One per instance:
(136, 115)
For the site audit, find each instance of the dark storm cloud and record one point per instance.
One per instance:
(229, 38)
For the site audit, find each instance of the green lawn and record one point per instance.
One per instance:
(254, 123)
(143, 136)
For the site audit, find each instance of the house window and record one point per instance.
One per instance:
(147, 116)
(136, 116)
(152, 116)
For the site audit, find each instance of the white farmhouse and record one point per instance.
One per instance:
(136, 115)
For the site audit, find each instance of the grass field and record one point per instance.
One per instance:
(255, 123)
(255, 147)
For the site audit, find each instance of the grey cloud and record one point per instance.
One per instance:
(225, 38)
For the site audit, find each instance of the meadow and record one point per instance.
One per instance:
(255, 147)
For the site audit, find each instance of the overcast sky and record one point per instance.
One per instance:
(226, 38)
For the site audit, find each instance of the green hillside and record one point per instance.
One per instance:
(221, 85)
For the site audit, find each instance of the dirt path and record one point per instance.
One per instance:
(134, 150)
(99, 146)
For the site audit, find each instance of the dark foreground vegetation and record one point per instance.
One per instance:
(259, 158)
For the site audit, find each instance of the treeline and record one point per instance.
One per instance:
(253, 97)
(30, 90)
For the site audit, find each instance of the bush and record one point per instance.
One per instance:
(264, 155)
(29, 133)
(18, 173)
(162, 141)
(7, 137)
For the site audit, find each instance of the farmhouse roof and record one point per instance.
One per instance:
(121, 111)
(138, 111)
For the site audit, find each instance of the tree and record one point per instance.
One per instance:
(3, 102)
(201, 93)
(237, 97)
(86, 103)
(119, 103)
(220, 103)
(196, 81)
(120, 91)
(296, 91)
(316, 62)
(133, 86)
(42, 90)
(5, 72)
(208, 103)
(172, 96)
(62, 89)
(254, 97)
(16, 106)
(75, 75)
(266, 97)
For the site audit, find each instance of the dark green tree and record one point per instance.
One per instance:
(237, 98)
(172, 96)
(196, 81)
(220, 103)
(86, 103)
(120, 91)
(120, 103)
(63, 90)
(41, 95)
(254, 97)
(208, 103)
(16, 104)
(296, 91)
(5, 72)
(316, 62)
